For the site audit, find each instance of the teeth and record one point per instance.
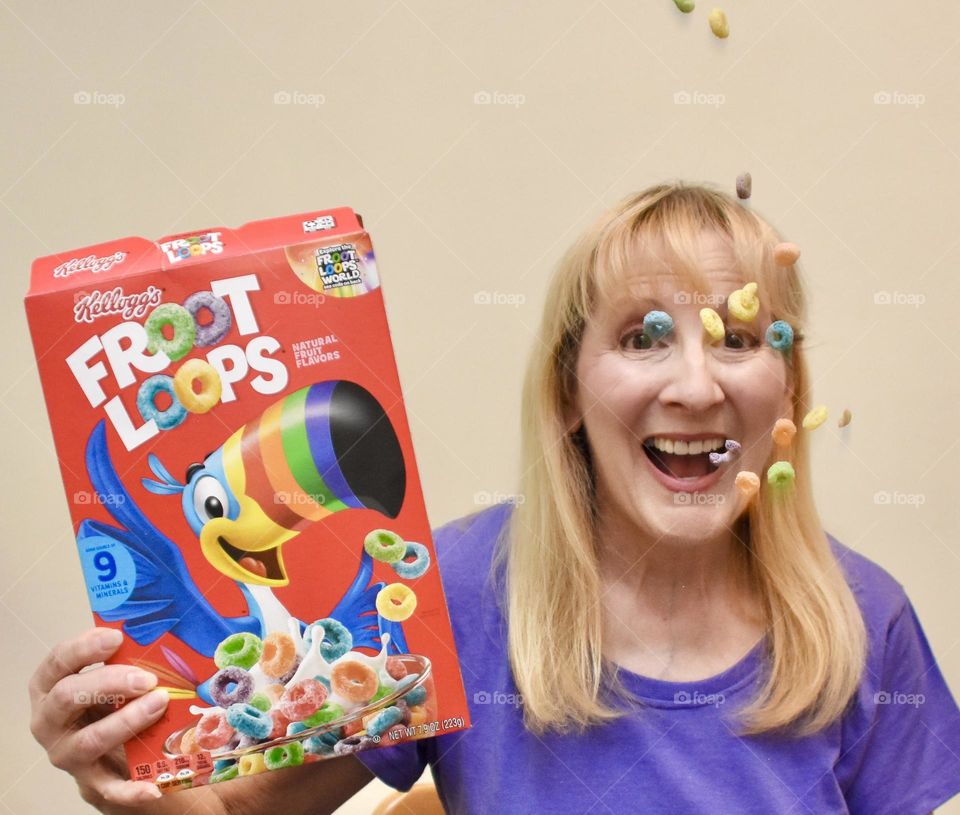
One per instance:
(683, 448)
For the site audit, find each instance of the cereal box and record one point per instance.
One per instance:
(232, 437)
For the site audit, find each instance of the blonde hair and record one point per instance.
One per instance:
(816, 640)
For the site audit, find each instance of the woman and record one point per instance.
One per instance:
(674, 644)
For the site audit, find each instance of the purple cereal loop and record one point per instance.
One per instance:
(225, 677)
(352, 744)
(215, 331)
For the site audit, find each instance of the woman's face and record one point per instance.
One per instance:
(631, 398)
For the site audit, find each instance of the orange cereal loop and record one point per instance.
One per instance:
(747, 483)
(783, 432)
(354, 681)
(279, 654)
(188, 742)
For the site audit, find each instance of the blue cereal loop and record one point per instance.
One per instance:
(411, 571)
(780, 335)
(418, 695)
(321, 745)
(657, 324)
(249, 721)
(383, 721)
(146, 393)
(337, 640)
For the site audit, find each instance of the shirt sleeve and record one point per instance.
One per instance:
(399, 766)
(901, 755)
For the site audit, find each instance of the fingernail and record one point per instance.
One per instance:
(110, 639)
(155, 700)
(141, 680)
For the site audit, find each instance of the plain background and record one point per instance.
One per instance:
(477, 139)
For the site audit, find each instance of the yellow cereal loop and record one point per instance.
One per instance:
(396, 602)
(718, 23)
(252, 764)
(743, 304)
(815, 418)
(712, 323)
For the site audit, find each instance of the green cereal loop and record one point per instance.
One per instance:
(780, 475)
(260, 701)
(240, 650)
(184, 331)
(686, 6)
(226, 774)
(330, 712)
(284, 755)
(382, 691)
(385, 546)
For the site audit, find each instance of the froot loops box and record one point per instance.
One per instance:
(232, 437)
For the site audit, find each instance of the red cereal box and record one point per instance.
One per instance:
(232, 438)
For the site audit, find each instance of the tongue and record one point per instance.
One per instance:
(686, 466)
(251, 564)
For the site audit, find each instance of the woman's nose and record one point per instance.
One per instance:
(691, 382)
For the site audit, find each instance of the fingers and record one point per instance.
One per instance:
(99, 786)
(110, 684)
(69, 656)
(78, 750)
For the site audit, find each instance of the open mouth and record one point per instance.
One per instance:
(262, 564)
(684, 464)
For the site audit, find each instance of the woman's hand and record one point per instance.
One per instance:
(72, 716)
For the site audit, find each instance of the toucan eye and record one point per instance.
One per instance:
(209, 498)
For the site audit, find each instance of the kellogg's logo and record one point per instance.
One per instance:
(89, 306)
(90, 263)
(182, 248)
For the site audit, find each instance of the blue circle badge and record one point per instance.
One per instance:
(109, 571)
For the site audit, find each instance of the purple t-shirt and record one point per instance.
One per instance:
(895, 752)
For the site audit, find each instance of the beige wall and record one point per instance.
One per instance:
(183, 131)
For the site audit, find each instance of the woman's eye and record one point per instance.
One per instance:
(636, 341)
(738, 340)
